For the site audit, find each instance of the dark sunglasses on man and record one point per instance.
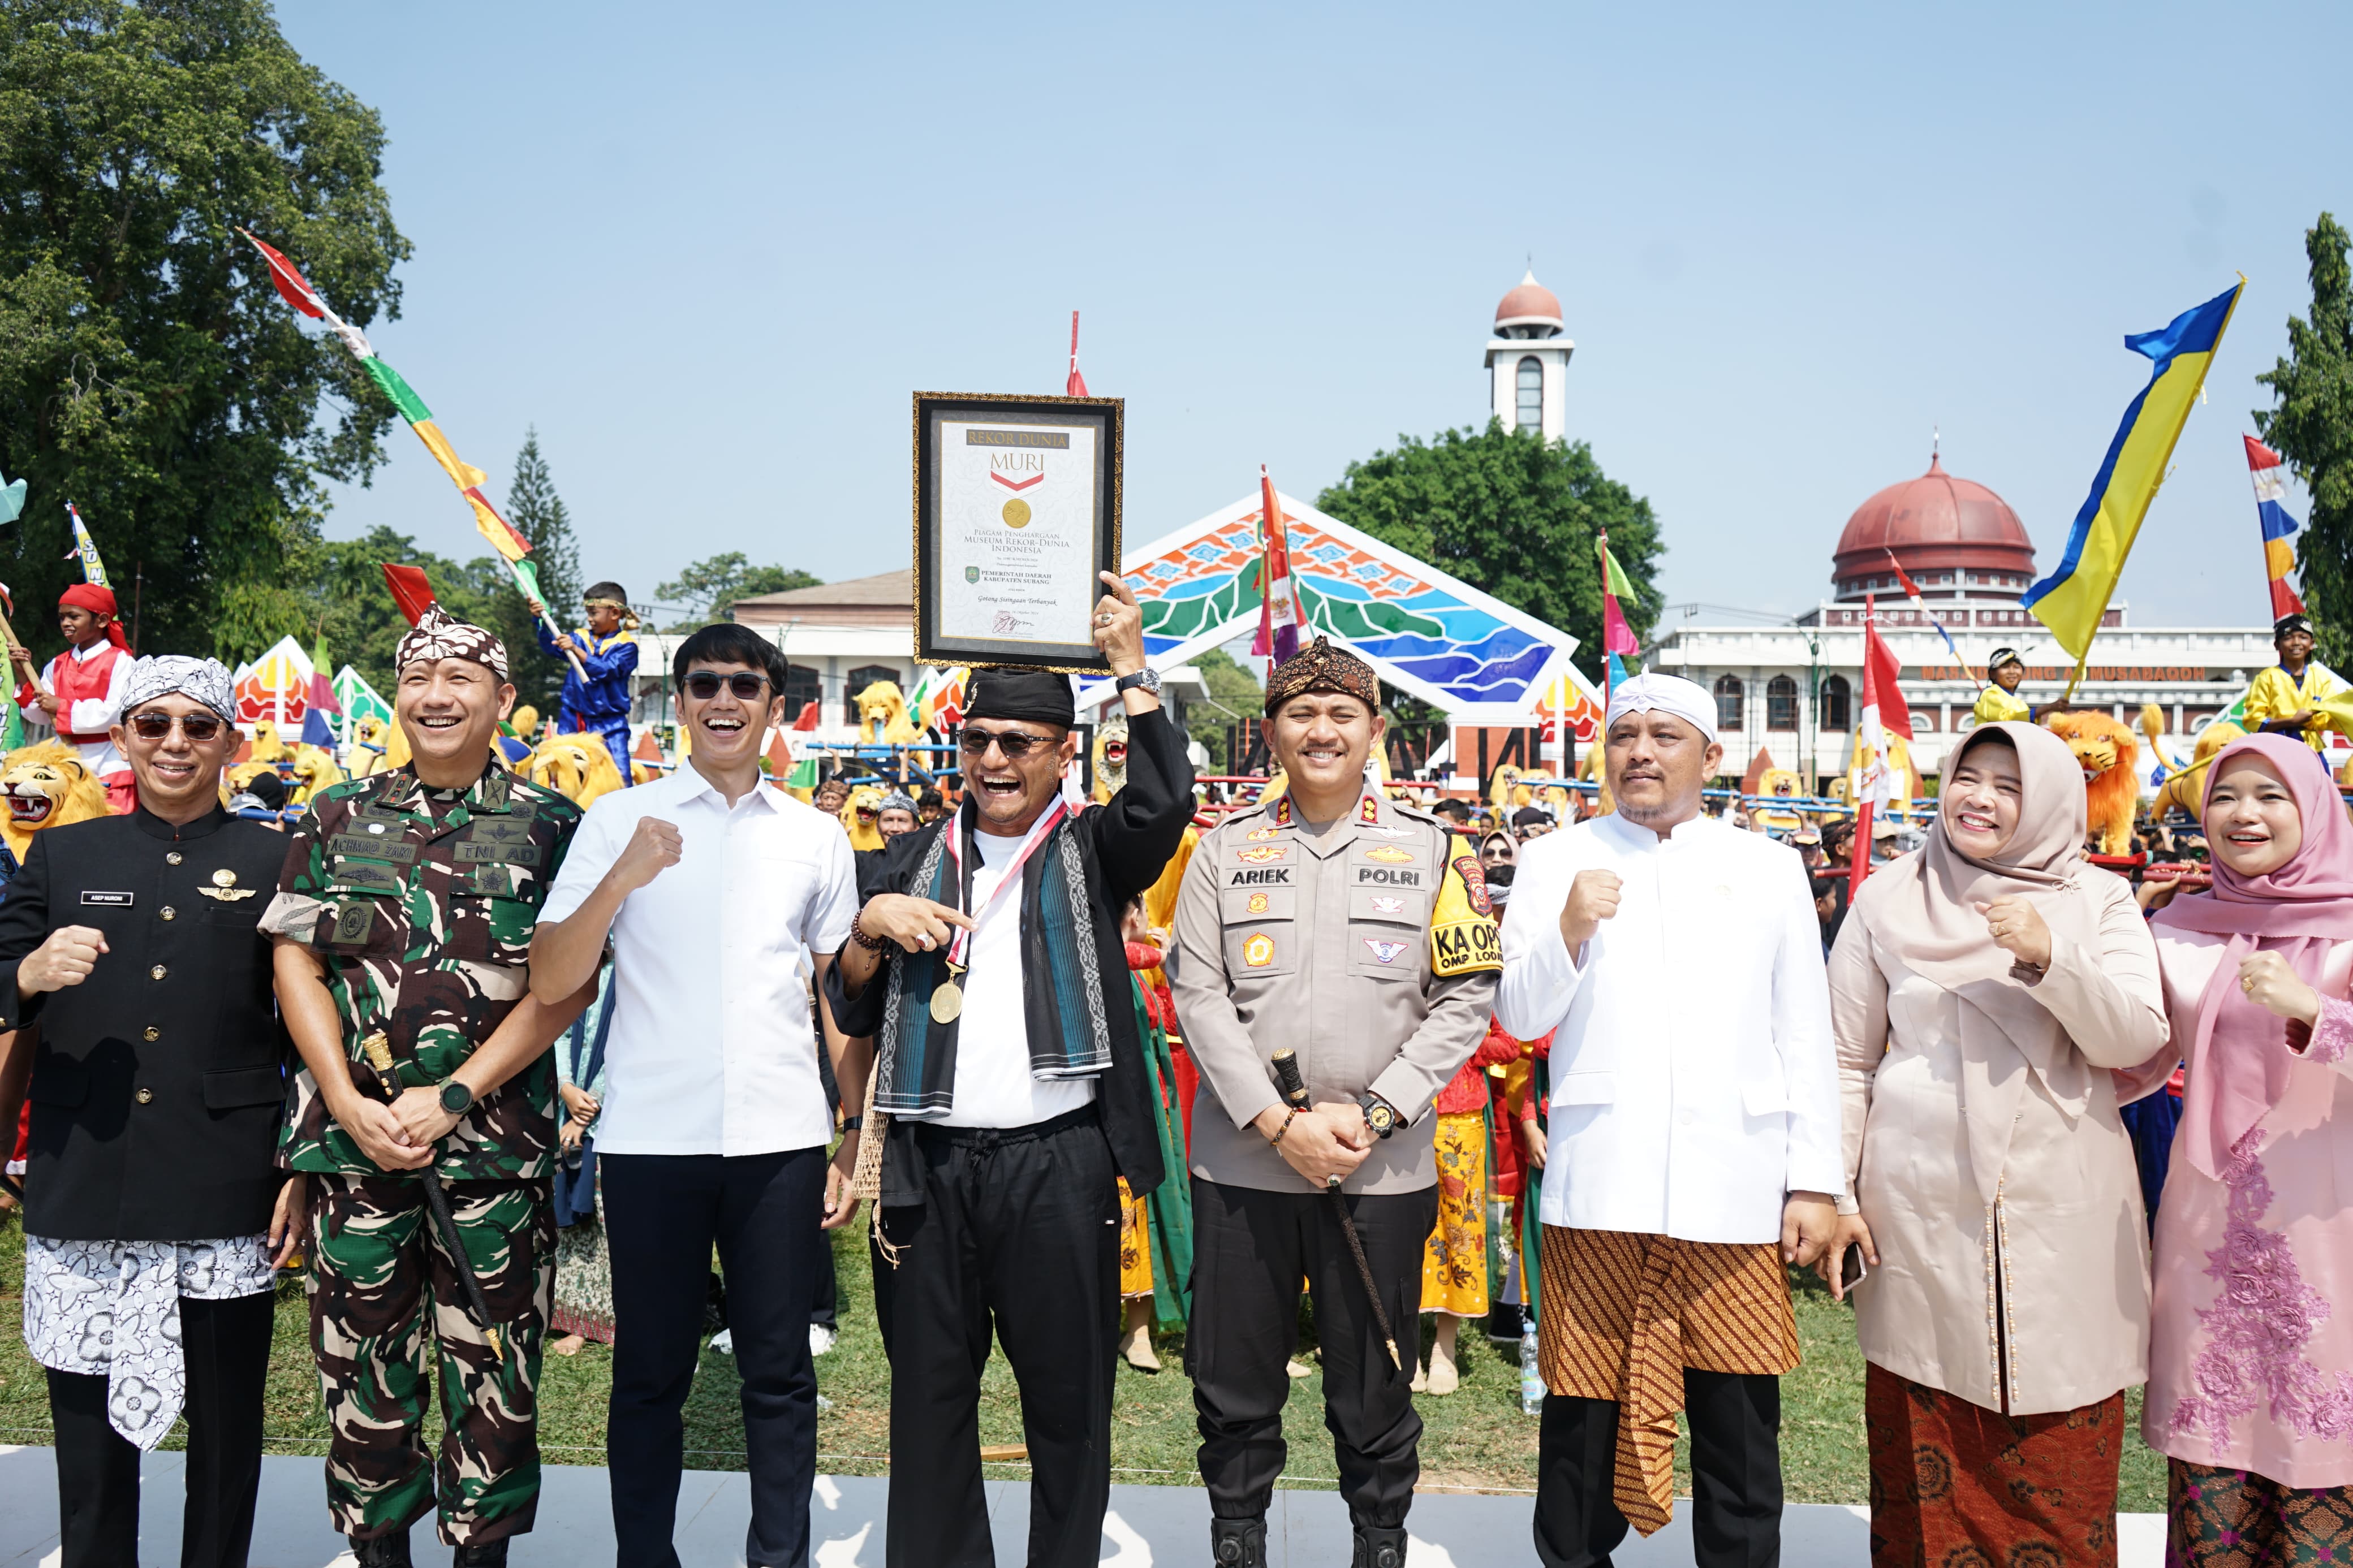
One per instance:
(197, 727)
(747, 685)
(1014, 744)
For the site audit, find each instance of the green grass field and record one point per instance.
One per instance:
(1475, 1437)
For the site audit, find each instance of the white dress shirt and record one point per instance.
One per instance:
(993, 1083)
(711, 1051)
(1694, 1084)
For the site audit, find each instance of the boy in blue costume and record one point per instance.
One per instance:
(607, 651)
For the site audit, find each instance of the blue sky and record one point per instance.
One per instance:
(710, 250)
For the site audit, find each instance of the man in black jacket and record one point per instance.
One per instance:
(992, 979)
(156, 1217)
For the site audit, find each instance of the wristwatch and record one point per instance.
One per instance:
(456, 1098)
(1380, 1116)
(1148, 677)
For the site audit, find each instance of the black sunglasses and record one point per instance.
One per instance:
(197, 727)
(703, 685)
(1014, 744)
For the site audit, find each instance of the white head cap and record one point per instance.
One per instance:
(1669, 694)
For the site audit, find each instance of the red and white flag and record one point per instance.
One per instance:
(1883, 712)
(1076, 385)
(1278, 612)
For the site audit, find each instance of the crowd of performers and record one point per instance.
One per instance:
(502, 1069)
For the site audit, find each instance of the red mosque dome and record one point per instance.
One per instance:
(1952, 535)
(1530, 304)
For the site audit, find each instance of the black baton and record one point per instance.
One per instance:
(1294, 1091)
(437, 1199)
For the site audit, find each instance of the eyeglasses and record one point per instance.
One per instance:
(705, 684)
(1014, 744)
(197, 727)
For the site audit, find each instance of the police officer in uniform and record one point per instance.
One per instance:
(157, 1214)
(1356, 932)
(403, 919)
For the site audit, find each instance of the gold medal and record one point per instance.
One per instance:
(1017, 513)
(947, 1001)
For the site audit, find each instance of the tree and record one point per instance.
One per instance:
(538, 514)
(148, 372)
(709, 587)
(1514, 514)
(2312, 427)
(1234, 695)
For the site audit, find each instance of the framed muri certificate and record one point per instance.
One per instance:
(1017, 509)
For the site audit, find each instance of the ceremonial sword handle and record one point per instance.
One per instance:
(1287, 1079)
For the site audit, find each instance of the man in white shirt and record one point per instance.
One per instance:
(990, 971)
(713, 884)
(1693, 1140)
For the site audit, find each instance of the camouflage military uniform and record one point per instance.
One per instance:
(422, 902)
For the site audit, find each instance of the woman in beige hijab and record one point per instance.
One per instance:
(1981, 991)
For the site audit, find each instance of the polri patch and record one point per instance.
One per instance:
(1259, 951)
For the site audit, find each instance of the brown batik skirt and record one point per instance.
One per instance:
(1623, 1314)
(1955, 1483)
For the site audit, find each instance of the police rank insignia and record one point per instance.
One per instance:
(1388, 906)
(225, 888)
(1262, 833)
(1261, 855)
(1259, 951)
(1390, 854)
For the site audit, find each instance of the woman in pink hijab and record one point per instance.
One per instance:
(2251, 1351)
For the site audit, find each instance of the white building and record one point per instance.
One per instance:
(1971, 558)
(1527, 361)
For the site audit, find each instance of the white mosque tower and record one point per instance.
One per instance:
(1527, 361)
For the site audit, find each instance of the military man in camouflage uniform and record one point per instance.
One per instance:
(403, 923)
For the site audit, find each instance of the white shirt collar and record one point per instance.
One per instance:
(691, 785)
(1635, 836)
(84, 654)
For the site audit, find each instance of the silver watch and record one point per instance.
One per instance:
(1148, 677)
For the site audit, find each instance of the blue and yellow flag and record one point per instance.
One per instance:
(2072, 600)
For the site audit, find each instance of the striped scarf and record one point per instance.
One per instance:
(914, 1068)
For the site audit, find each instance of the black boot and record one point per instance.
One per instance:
(493, 1554)
(1378, 1547)
(388, 1551)
(1240, 1542)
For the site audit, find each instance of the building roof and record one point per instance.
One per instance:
(1935, 524)
(885, 598)
(1530, 304)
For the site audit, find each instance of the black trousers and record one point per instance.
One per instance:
(1735, 1451)
(226, 1345)
(1249, 1250)
(662, 1214)
(1021, 1228)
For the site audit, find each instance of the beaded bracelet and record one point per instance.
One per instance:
(1276, 1141)
(857, 934)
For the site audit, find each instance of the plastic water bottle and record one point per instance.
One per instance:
(1532, 1388)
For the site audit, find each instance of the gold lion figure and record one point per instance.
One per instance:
(46, 787)
(579, 767)
(882, 717)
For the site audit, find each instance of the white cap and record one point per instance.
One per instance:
(1672, 694)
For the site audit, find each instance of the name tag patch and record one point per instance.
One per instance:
(1266, 876)
(373, 848)
(107, 900)
(524, 854)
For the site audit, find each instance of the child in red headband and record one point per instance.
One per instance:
(84, 686)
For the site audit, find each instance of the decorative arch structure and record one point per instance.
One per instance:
(1475, 657)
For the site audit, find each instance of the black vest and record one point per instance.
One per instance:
(158, 1081)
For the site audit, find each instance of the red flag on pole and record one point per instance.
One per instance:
(1883, 712)
(1076, 387)
(411, 589)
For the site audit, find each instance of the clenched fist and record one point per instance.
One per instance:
(2271, 985)
(2017, 927)
(1592, 899)
(65, 958)
(654, 848)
